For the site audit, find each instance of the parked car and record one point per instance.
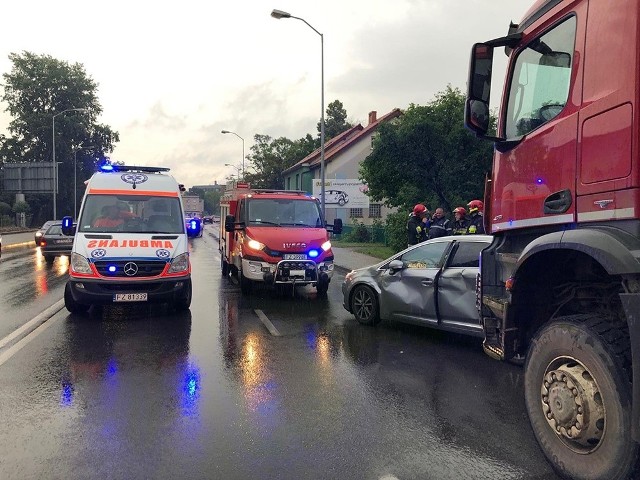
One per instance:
(432, 284)
(335, 196)
(207, 219)
(54, 243)
(43, 229)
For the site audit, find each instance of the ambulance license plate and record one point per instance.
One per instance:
(294, 256)
(129, 297)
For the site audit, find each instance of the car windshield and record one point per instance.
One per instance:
(54, 230)
(131, 214)
(284, 212)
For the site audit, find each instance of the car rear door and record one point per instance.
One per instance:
(409, 294)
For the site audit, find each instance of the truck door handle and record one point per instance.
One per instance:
(558, 202)
(427, 282)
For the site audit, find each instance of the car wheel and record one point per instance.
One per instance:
(578, 397)
(184, 302)
(341, 202)
(245, 283)
(364, 305)
(71, 305)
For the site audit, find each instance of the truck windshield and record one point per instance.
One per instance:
(131, 214)
(284, 212)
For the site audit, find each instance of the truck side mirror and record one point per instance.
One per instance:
(476, 111)
(68, 228)
(337, 226)
(229, 223)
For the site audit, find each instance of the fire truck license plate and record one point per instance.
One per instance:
(130, 297)
(294, 256)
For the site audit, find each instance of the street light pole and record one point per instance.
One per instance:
(233, 133)
(55, 165)
(278, 14)
(237, 170)
(75, 175)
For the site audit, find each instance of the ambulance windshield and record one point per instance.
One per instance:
(283, 212)
(131, 214)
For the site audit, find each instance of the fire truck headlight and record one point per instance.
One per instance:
(326, 245)
(80, 264)
(179, 264)
(254, 244)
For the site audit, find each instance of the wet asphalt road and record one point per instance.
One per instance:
(133, 393)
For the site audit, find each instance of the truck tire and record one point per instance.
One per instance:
(71, 305)
(578, 397)
(322, 287)
(224, 266)
(245, 283)
(184, 302)
(364, 305)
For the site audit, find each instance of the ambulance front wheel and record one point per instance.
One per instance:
(184, 302)
(71, 304)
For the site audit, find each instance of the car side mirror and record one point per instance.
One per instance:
(396, 266)
(68, 228)
(193, 227)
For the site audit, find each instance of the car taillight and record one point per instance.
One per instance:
(43, 242)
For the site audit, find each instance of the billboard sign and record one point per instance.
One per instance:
(28, 177)
(342, 193)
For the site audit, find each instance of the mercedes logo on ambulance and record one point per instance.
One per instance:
(130, 269)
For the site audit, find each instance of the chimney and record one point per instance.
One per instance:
(372, 117)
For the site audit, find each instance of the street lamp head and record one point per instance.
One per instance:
(225, 131)
(280, 14)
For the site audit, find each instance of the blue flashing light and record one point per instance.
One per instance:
(539, 181)
(313, 253)
(67, 222)
(66, 396)
(107, 167)
(193, 224)
(111, 268)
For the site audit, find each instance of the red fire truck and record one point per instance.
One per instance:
(278, 237)
(560, 284)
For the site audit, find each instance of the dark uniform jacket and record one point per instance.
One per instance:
(476, 223)
(439, 227)
(459, 227)
(416, 230)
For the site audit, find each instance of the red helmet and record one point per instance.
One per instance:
(475, 205)
(419, 209)
(460, 210)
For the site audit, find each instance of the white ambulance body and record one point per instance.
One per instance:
(130, 241)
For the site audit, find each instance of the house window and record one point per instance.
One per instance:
(375, 210)
(297, 182)
(355, 213)
(288, 183)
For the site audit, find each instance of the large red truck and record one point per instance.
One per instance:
(560, 284)
(277, 237)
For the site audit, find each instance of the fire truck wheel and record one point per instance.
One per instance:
(224, 266)
(364, 305)
(71, 305)
(245, 283)
(322, 287)
(578, 396)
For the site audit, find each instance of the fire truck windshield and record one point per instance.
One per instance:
(283, 212)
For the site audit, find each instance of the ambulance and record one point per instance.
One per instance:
(131, 241)
(275, 237)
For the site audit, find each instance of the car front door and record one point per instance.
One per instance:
(457, 308)
(408, 295)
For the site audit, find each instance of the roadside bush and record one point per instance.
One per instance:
(5, 209)
(396, 230)
(359, 234)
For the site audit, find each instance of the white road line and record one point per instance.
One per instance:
(43, 317)
(40, 318)
(267, 323)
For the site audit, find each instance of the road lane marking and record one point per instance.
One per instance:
(42, 317)
(267, 323)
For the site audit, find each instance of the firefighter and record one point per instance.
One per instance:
(461, 223)
(476, 220)
(416, 226)
(439, 225)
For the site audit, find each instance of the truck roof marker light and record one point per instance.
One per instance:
(313, 253)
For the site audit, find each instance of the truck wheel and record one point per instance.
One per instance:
(71, 305)
(224, 266)
(245, 283)
(322, 287)
(578, 397)
(364, 305)
(184, 302)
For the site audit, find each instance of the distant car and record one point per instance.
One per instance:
(207, 219)
(335, 196)
(43, 229)
(54, 243)
(432, 284)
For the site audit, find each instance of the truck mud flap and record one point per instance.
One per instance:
(631, 305)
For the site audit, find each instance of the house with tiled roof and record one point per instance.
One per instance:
(343, 155)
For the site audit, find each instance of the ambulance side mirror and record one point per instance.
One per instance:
(68, 228)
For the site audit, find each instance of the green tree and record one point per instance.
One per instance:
(335, 121)
(212, 202)
(428, 156)
(37, 88)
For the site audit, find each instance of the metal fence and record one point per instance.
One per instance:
(363, 233)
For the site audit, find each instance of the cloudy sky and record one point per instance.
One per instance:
(172, 75)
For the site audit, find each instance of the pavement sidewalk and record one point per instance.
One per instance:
(346, 259)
